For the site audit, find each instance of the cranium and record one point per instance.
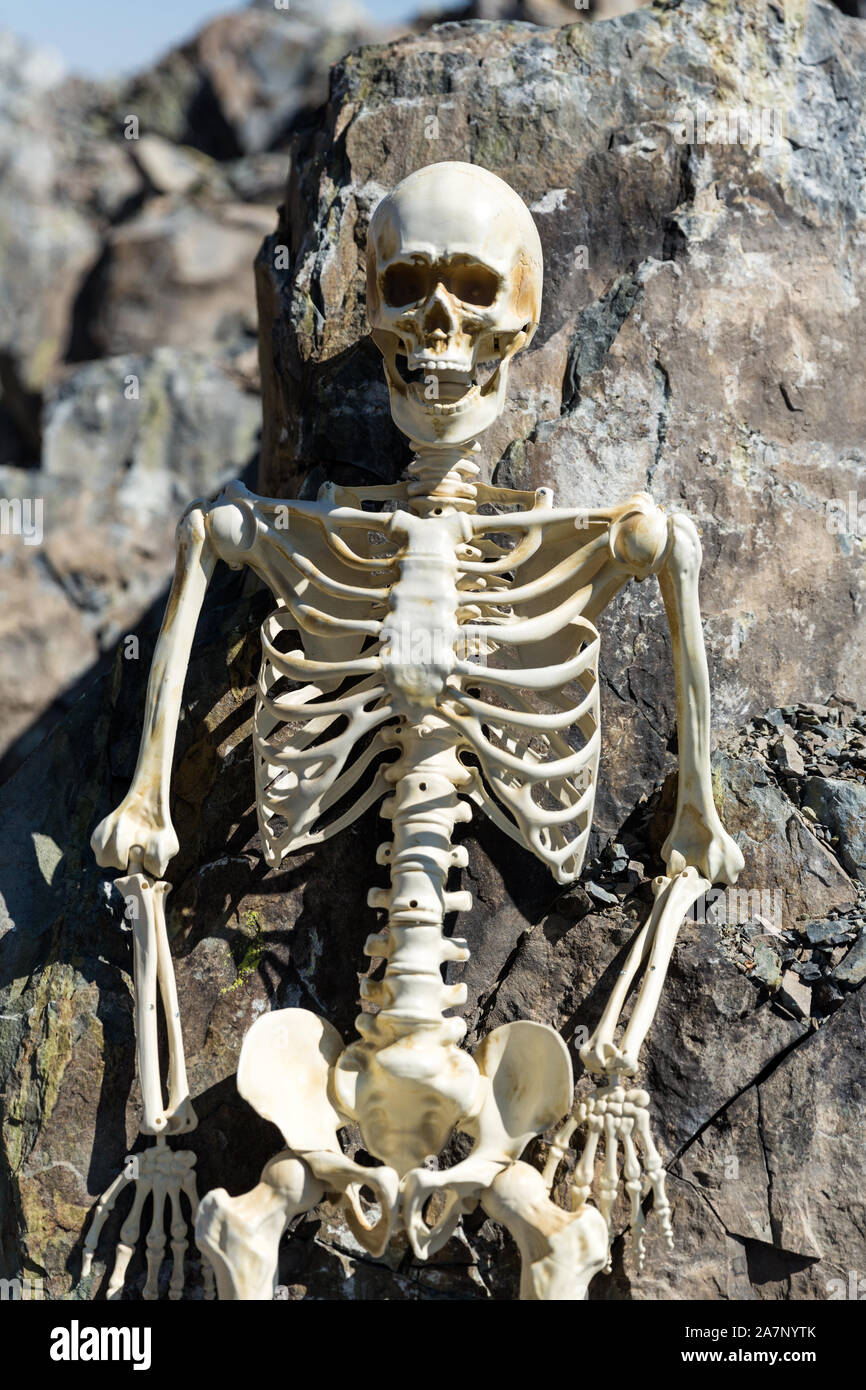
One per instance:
(454, 273)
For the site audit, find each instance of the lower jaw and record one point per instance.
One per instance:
(445, 407)
(431, 427)
(445, 422)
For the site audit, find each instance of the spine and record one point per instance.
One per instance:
(412, 995)
(441, 478)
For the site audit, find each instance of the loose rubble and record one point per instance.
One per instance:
(816, 755)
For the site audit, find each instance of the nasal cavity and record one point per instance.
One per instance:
(436, 319)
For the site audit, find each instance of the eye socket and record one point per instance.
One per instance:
(409, 282)
(405, 283)
(473, 284)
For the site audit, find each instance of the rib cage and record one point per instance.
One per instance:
(317, 735)
(522, 697)
(535, 784)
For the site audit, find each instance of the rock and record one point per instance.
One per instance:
(169, 168)
(852, 970)
(808, 970)
(787, 755)
(240, 84)
(726, 1164)
(831, 933)
(179, 274)
(767, 967)
(47, 244)
(574, 904)
(601, 895)
(784, 1163)
(258, 178)
(826, 998)
(841, 805)
(559, 972)
(811, 1108)
(794, 995)
(788, 873)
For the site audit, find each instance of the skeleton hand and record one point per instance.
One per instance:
(621, 1116)
(164, 1174)
(138, 822)
(701, 842)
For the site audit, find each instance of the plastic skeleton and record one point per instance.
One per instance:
(434, 643)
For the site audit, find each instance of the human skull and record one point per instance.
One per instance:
(454, 272)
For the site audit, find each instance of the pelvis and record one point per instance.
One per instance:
(296, 1073)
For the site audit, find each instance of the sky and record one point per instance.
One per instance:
(101, 38)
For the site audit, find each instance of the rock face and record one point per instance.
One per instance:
(698, 347)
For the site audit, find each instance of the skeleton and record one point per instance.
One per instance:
(434, 644)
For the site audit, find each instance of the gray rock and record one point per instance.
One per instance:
(797, 1176)
(767, 967)
(808, 970)
(179, 274)
(787, 755)
(811, 1126)
(574, 904)
(852, 970)
(787, 867)
(793, 994)
(170, 168)
(726, 1164)
(239, 85)
(831, 933)
(47, 244)
(841, 805)
(601, 895)
(826, 998)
